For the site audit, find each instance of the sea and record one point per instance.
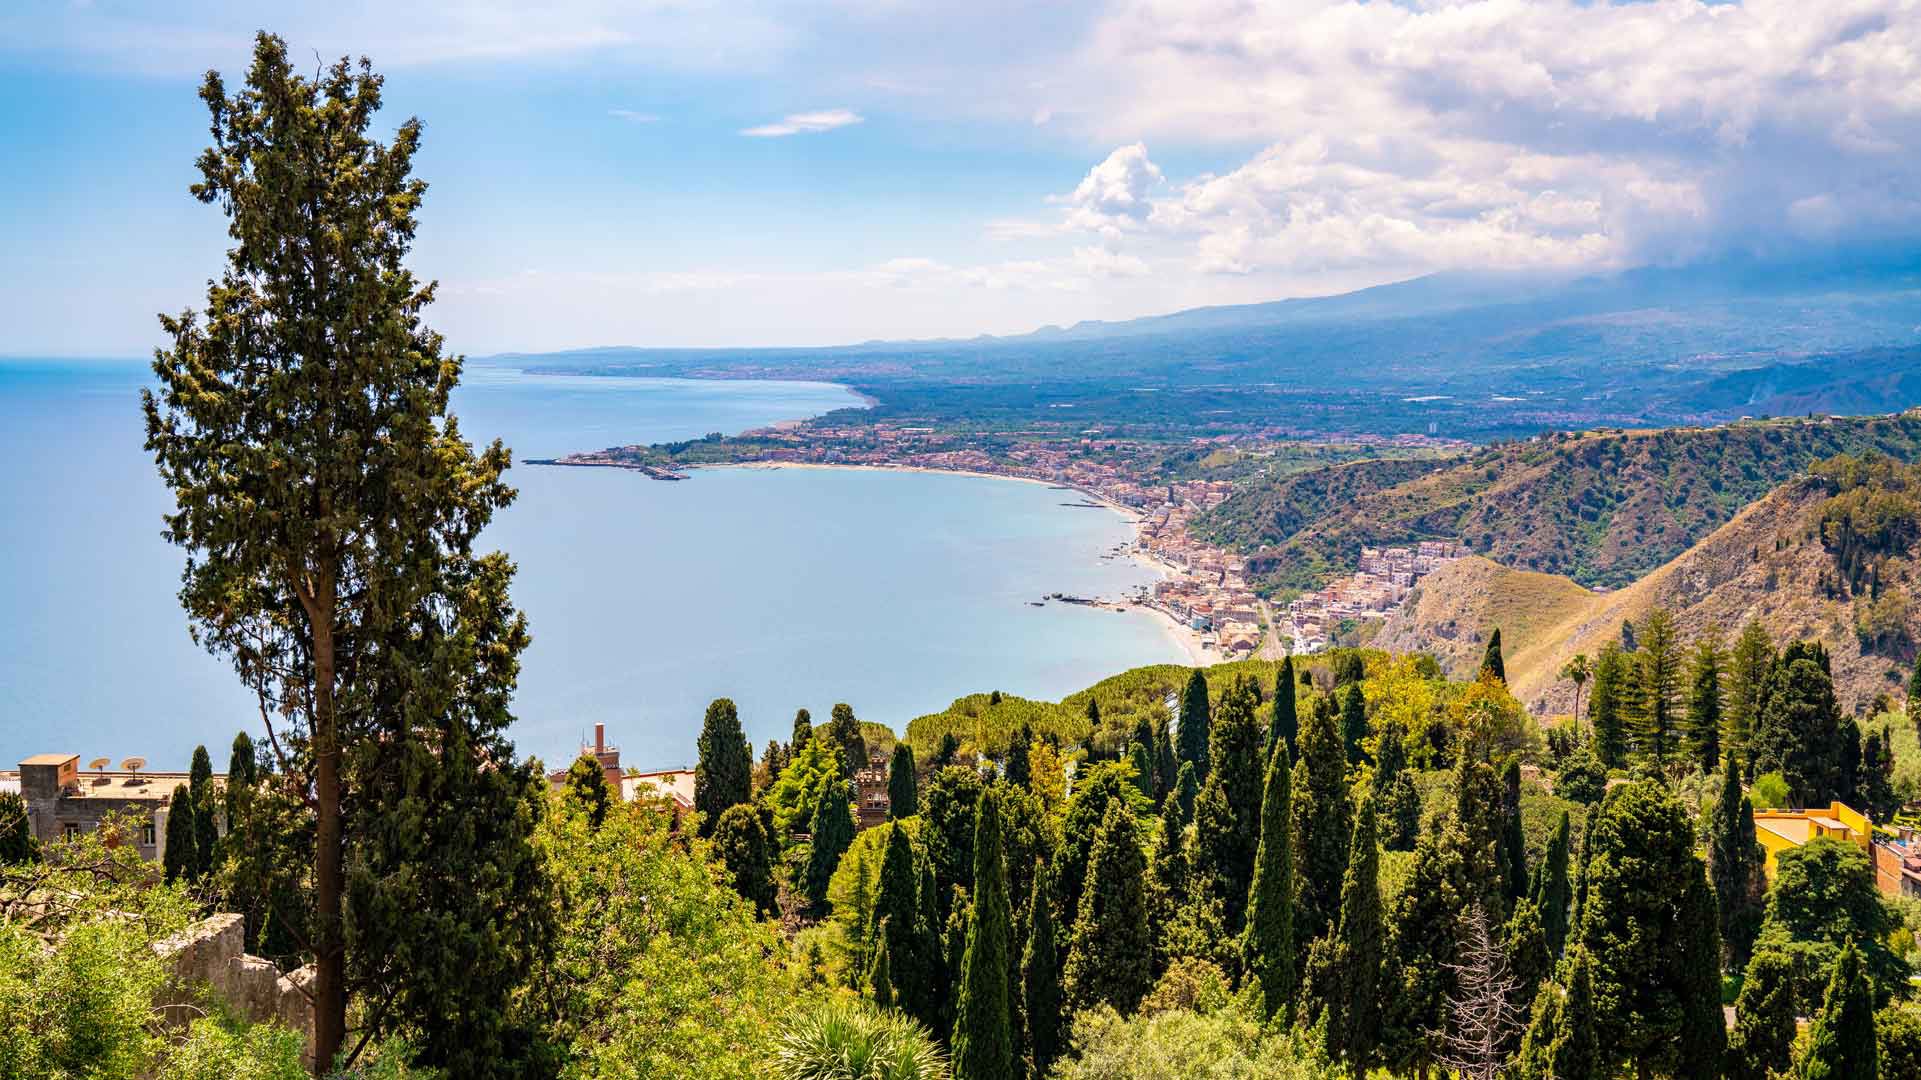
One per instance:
(782, 589)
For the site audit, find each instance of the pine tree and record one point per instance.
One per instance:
(946, 752)
(741, 841)
(1656, 723)
(1513, 842)
(724, 773)
(1561, 1043)
(1841, 1046)
(1704, 704)
(1041, 980)
(1323, 822)
(903, 791)
(1748, 664)
(1762, 1039)
(1878, 794)
(206, 833)
(243, 772)
(984, 1015)
(1187, 788)
(843, 730)
(1399, 805)
(1169, 880)
(1268, 953)
(180, 859)
(898, 924)
(1109, 958)
(880, 980)
(587, 786)
(1604, 707)
(1423, 944)
(1735, 864)
(1348, 986)
(833, 833)
(1529, 959)
(1553, 892)
(1191, 744)
(803, 732)
(1019, 770)
(1227, 820)
(1354, 724)
(1166, 765)
(1080, 828)
(1137, 756)
(1480, 797)
(1284, 725)
(1492, 662)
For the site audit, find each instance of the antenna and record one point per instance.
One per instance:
(134, 765)
(98, 764)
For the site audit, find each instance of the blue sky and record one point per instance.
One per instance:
(748, 172)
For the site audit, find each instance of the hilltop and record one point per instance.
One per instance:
(1602, 508)
(1789, 559)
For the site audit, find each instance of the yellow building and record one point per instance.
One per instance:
(1780, 830)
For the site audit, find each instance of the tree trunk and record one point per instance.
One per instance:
(330, 951)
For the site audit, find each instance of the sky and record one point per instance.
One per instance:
(767, 172)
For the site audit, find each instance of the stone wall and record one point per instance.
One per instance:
(211, 953)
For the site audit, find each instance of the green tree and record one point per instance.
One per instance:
(1191, 745)
(334, 567)
(1169, 879)
(903, 792)
(1736, 864)
(1080, 826)
(587, 783)
(1491, 661)
(724, 773)
(1268, 953)
(1041, 980)
(741, 841)
(843, 731)
(1393, 788)
(1424, 948)
(803, 732)
(181, 859)
(243, 772)
(898, 924)
(1604, 707)
(1187, 788)
(1553, 891)
(1704, 703)
(1354, 724)
(1897, 1032)
(1512, 849)
(984, 1044)
(1878, 793)
(1762, 1038)
(1227, 819)
(948, 811)
(1166, 764)
(1322, 822)
(1798, 733)
(206, 832)
(1647, 920)
(1822, 900)
(1842, 1044)
(1110, 952)
(880, 979)
(1577, 670)
(17, 844)
(1748, 664)
(1019, 770)
(1347, 983)
(1561, 1043)
(1657, 720)
(1284, 725)
(1143, 765)
(833, 832)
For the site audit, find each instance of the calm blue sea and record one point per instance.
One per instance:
(895, 592)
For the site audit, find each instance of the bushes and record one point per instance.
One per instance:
(856, 1042)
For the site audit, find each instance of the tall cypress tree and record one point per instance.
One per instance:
(180, 860)
(1041, 980)
(843, 730)
(1424, 942)
(903, 790)
(1604, 707)
(1167, 765)
(1560, 1042)
(1553, 891)
(1227, 815)
(803, 732)
(833, 829)
(243, 771)
(1169, 875)
(587, 787)
(1109, 959)
(984, 1014)
(1704, 704)
(1284, 725)
(1351, 979)
(1322, 822)
(1492, 663)
(1736, 865)
(1513, 851)
(206, 834)
(1019, 770)
(1841, 1045)
(1268, 954)
(1191, 738)
(1398, 803)
(1798, 732)
(1748, 664)
(1762, 1039)
(1080, 828)
(897, 923)
(1353, 723)
(741, 840)
(1137, 756)
(1187, 788)
(724, 774)
(880, 980)
(932, 951)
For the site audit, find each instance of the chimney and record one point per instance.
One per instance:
(600, 737)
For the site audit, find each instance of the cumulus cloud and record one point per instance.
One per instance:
(805, 123)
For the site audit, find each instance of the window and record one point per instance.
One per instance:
(70, 829)
(147, 834)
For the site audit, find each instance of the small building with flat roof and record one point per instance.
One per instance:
(64, 800)
(1782, 830)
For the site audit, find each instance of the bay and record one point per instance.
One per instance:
(780, 588)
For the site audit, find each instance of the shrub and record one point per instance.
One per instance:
(856, 1042)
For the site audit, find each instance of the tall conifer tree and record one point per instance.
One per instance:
(724, 772)
(833, 833)
(1195, 721)
(1354, 723)
(1322, 822)
(1492, 662)
(1762, 1039)
(1227, 821)
(1167, 767)
(1350, 982)
(1109, 959)
(1604, 707)
(1041, 980)
(903, 789)
(206, 834)
(1268, 952)
(243, 771)
(1561, 1043)
(1284, 724)
(1020, 768)
(1513, 842)
(1735, 864)
(746, 851)
(1553, 891)
(587, 786)
(180, 861)
(1841, 1046)
(984, 1043)
(803, 732)
(897, 922)
(843, 730)
(1656, 721)
(1748, 664)
(1704, 704)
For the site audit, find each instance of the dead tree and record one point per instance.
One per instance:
(1482, 1018)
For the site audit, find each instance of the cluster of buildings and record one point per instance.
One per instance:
(1382, 581)
(1896, 851)
(62, 799)
(1206, 588)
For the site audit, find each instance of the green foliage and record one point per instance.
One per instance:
(854, 1042)
(1762, 1038)
(1492, 663)
(222, 1050)
(1322, 822)
(1655, 722)
(1019, 767)
(1822, 900)
(587, 785)
(17, 843)
(1561, 1042)
(1108, 961)
(793, 795)
(1581, 778)
(1553, 889)
(1799, 732)
(1268, 952)
(1393, 789)
(903, 792)
(1285, 723)
(747, 852)
(206, 832)
(1423, 943)
(1511, 846)
(832, 832)
(880, 980)
(181, 858)
(724, 774)
(1704, 718)
(1041, 991)
(1842, 1044)
(1897, 1033)
(948, 812)
(1736, 865)
(1748, 664)
(990, 725)
(1195, 724)
(1354, 724)
(1179, 1044)
(266, 872)
(1770, 791)
(848, 738)
(1344, 979)
(984, 1043)
(1227, 815)
(1605, 712)
(1080, 824)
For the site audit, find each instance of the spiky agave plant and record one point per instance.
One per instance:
(848, 1041)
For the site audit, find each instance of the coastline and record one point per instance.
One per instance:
(1184, 638)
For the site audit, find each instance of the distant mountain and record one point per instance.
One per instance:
(1602, 508)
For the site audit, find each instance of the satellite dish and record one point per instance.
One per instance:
(134, 764)
(99, 763)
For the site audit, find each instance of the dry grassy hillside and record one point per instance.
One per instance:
(1767, 563)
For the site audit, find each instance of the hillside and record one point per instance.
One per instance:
(1602, 508)
(1770, 562)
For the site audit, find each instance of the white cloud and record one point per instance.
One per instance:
(633, 117)
(804, 123)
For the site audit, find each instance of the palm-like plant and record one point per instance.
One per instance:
(857, 1042)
